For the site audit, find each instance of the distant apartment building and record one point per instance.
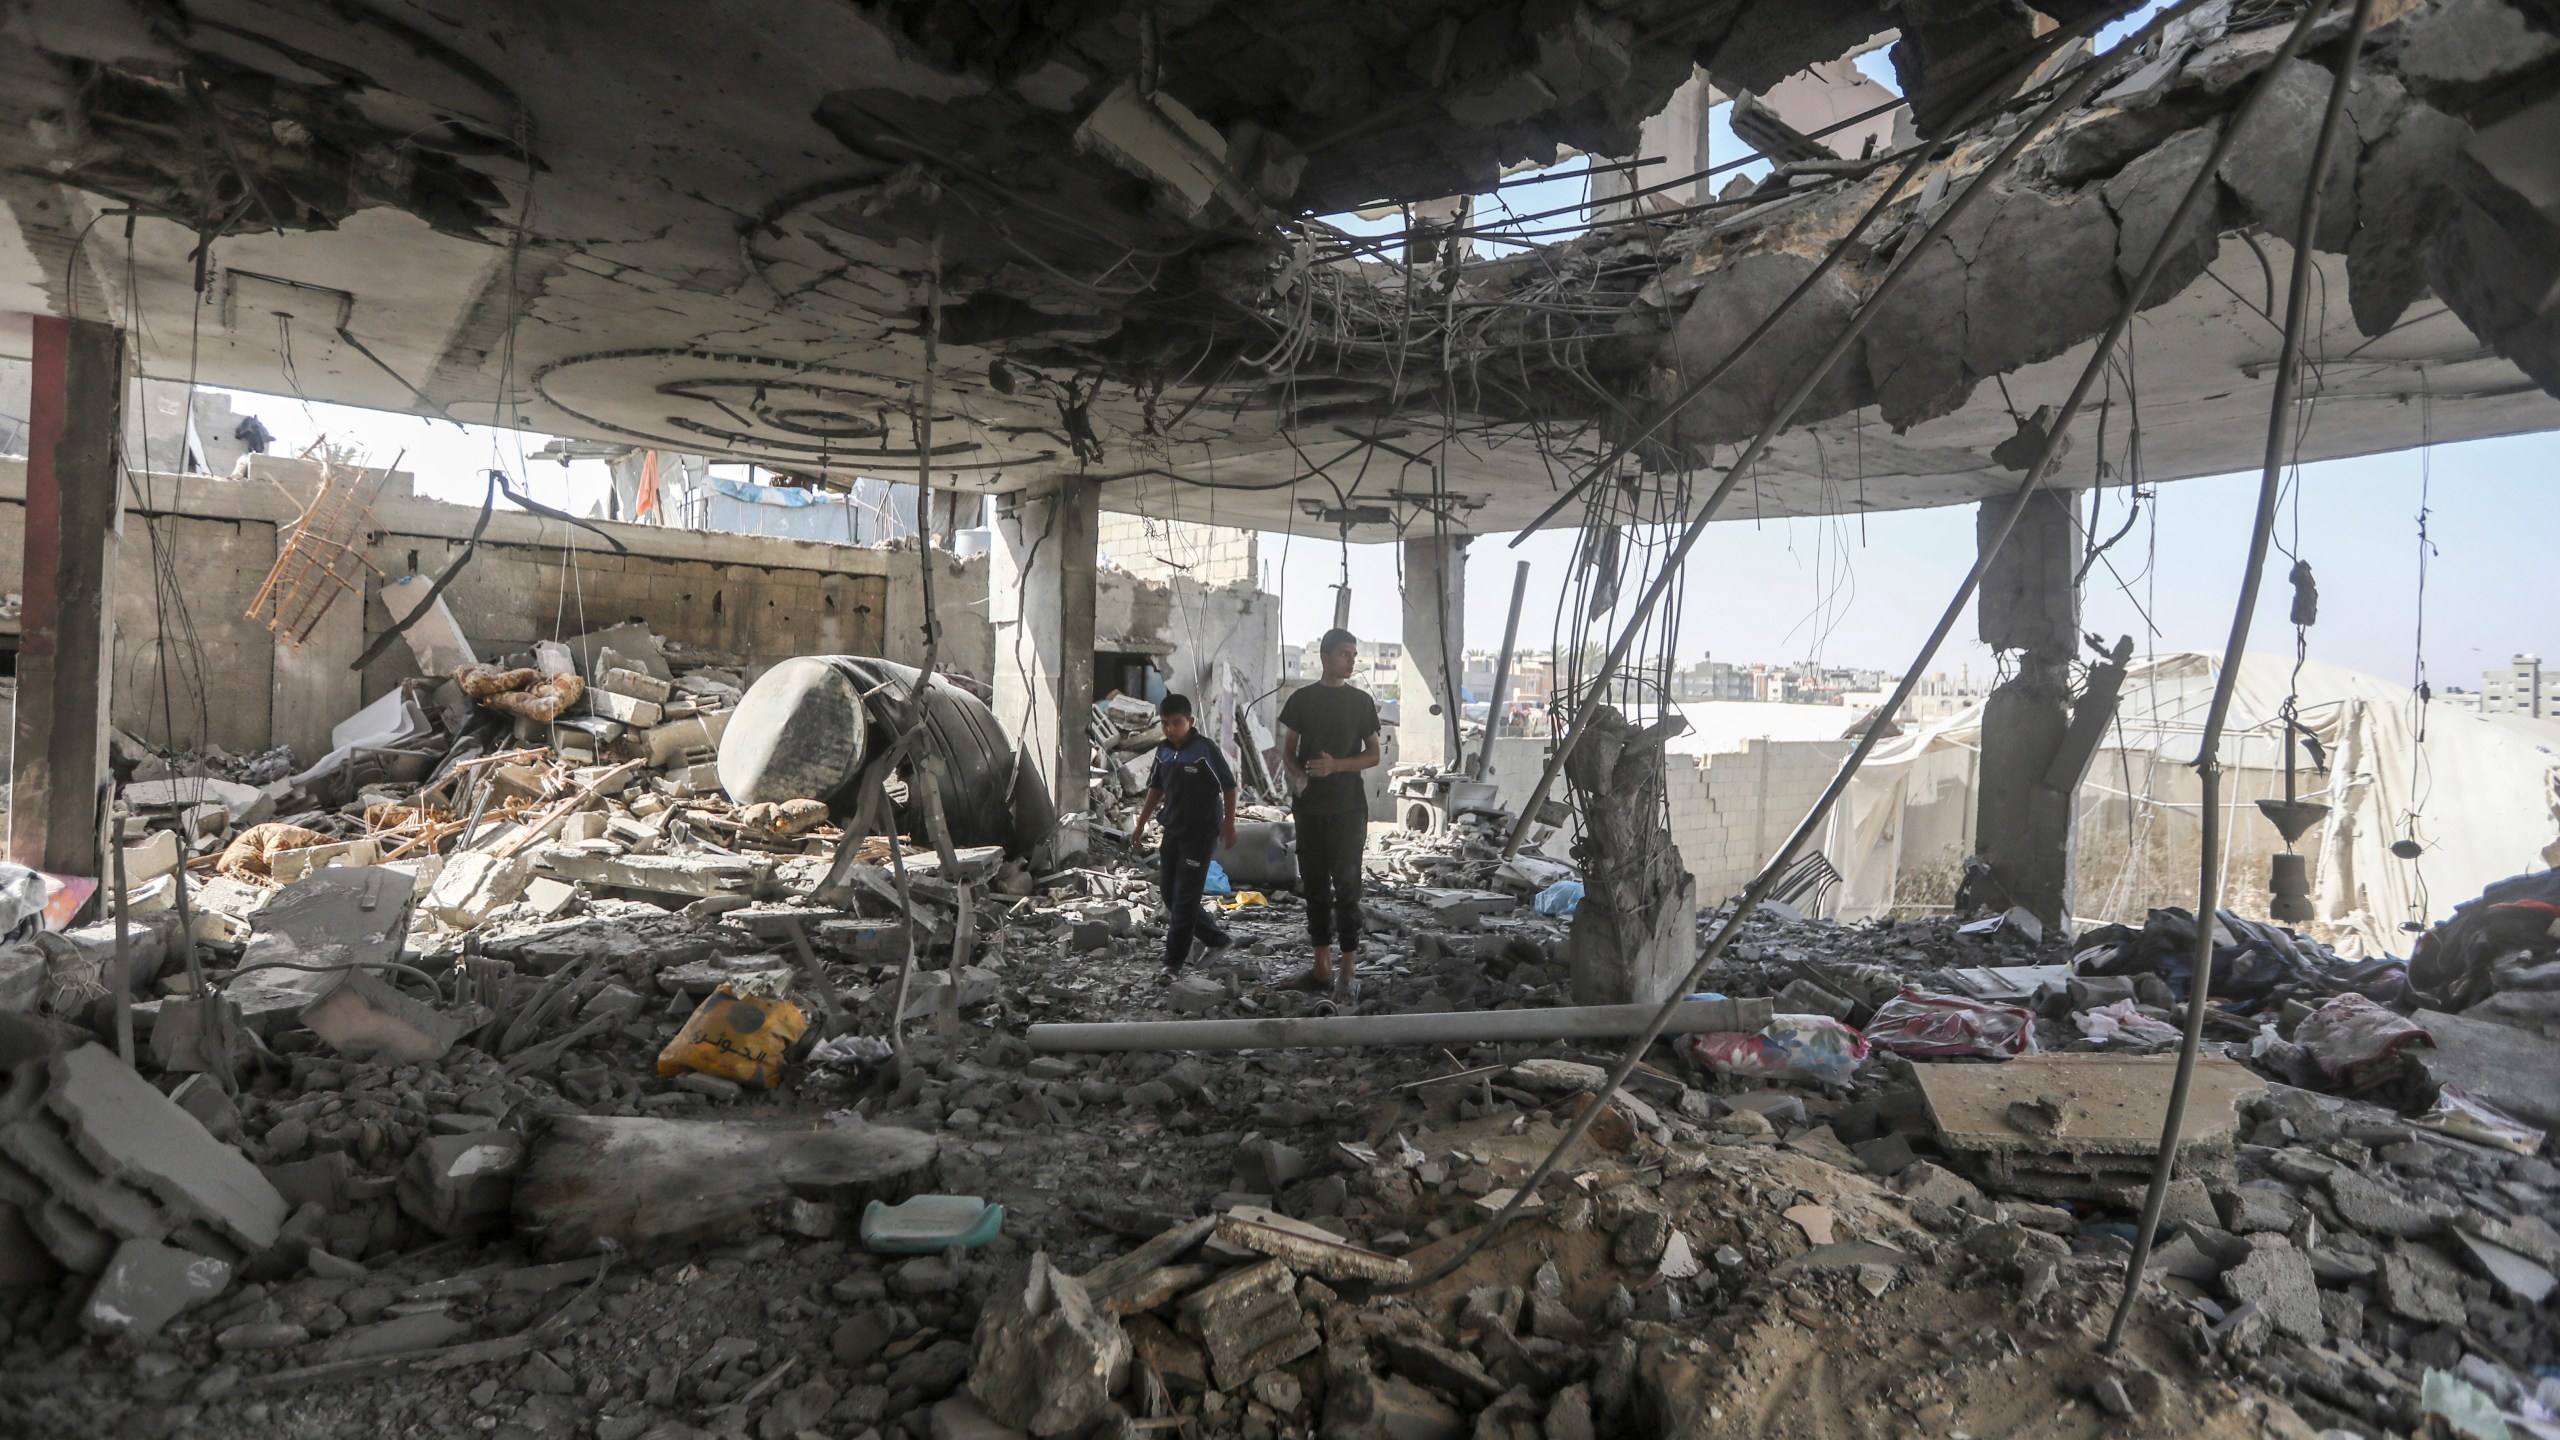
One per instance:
(1533, 676)
(1376, 672)
(2523, 688)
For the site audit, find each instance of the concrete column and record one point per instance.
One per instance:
(1434, 667)
(2030, 609)
(1040, 597)
(67, 627)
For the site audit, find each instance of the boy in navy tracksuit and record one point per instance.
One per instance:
(1198, 795)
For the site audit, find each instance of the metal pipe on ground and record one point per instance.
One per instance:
(1469, 1027)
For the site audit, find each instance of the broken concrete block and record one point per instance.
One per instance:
(1449, 1371)
(365, 1017)
(39, 1146)
(549, 898)
(124, 1126)
(1044, 1358)
(692, 875)
(624, 708)
(1308, 1249)
(462, 1184)
(475, 883)
(692, 739)
(156, 855)
(149, 1284)
(635, 685)
(80, 1247)
(2278, 1277)
(2420, 1287)
(2267, 163)
(287, 866)
(1249, 1321)
(328, 918)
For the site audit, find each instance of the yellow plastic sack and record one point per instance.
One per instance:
(736, 1037)
(1246, 899)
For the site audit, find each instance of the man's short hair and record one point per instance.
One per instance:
(1174, 705)
(1335, 639)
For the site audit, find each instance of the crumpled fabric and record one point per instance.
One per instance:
(2125, 1020)
(1813, 1048)
(2253, 961)
(2357, 1043)
(526, 693)
(784, 819)
(251, 853)
(1917, 1022)
(1560, 898)
(2457, 964)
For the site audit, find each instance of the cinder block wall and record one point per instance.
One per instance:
(228, 681)
(1731, 810)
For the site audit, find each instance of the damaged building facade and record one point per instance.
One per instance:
(495, 971)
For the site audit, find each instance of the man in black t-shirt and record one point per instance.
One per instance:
(1328, 736)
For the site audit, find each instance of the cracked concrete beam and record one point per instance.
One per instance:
(1722, 314)
(2266, 165)
(2400, 193)
(2044, 279)
(2143, 194)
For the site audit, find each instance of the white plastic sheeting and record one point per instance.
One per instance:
(2481, 795)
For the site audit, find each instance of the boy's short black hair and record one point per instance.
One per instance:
(1173, 705)
(1335, 639)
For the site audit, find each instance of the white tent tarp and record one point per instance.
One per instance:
(2481, 795)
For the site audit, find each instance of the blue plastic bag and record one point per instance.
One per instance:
(1560, 898)
(1217, 883)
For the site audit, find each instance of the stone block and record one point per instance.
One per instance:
(629, 711)
(2279, 1278)
(38, 1146)
(475, 883)
(134, 1134)
(149, 1284)
(635, 685)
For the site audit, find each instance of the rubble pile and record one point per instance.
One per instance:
(593, 1115)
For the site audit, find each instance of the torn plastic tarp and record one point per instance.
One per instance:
(1917, 1022)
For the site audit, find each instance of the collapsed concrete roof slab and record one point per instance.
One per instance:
(718, 238)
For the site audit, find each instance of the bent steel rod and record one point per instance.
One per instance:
(1908, 261)
(1775, 869)
(1990, 94)
(2208, 750)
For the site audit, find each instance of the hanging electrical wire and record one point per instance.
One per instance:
(2282, 427)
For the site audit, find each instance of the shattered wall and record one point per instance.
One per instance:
(231, 683)
(1730, 810)
(1189, 627)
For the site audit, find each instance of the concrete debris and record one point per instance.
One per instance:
(440, 1162)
